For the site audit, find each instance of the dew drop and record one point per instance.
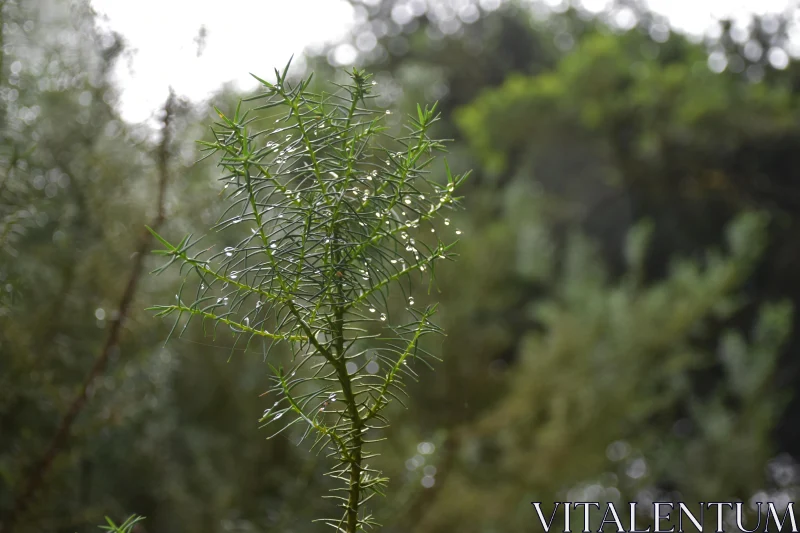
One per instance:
(458, 232)
(383, 317)
(388, 112)
(371, 309)
(407, 200)
(447, 222)
(410, 300)
(229, 251)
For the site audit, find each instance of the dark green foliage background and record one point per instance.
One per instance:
(620, 322)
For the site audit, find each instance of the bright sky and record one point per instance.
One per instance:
(257, 35)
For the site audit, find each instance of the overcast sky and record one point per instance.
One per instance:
(166, 47)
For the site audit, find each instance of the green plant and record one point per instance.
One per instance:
(126, 527)
(337, 211)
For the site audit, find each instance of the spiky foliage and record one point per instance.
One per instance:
(334, 211)
(126, 527)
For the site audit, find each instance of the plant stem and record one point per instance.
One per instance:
(354, 493)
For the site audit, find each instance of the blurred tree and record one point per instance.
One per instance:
(608, 402)
(626, 127)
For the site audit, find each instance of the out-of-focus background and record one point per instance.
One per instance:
(621, 322)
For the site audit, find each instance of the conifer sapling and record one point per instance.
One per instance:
(336, 218)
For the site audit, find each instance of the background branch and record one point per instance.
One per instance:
(38, 474)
